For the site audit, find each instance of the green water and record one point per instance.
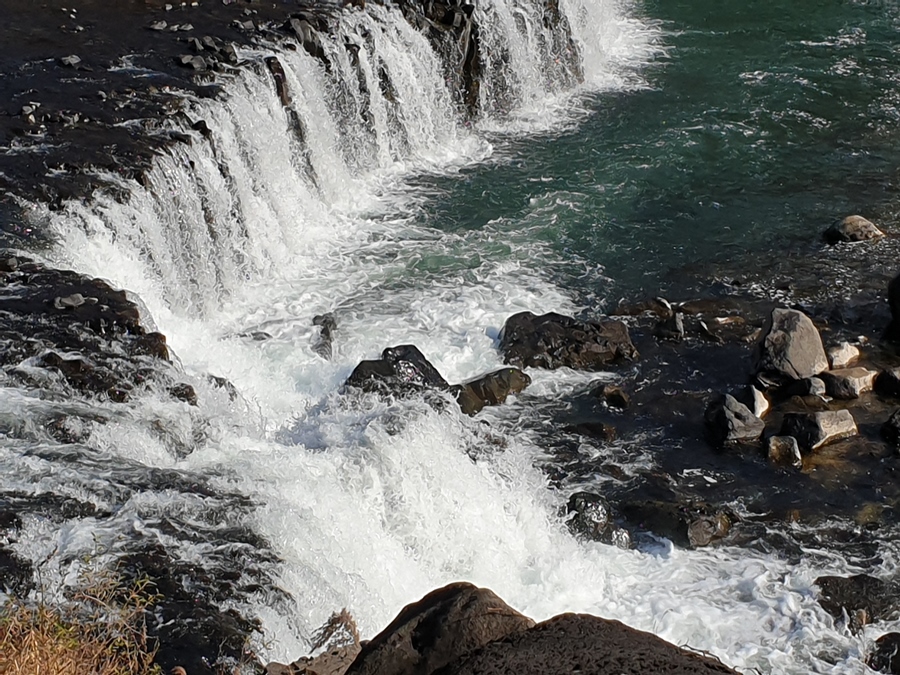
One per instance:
(762, 123)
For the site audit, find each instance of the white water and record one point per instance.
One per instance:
(369, 506)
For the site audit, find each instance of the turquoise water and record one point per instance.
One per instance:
(762, 123)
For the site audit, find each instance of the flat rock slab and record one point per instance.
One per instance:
(848, 383)
(813, 430)
(791, 347)
(580, 643)
(555, 341)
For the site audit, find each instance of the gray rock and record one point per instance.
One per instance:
(813, 430)
(71, 61)
(784, 451)
(852, 228)
(490, 389)
(842, 355)
(158, 25)
(730, 421)
(755, 400)
(439, 629)
(791, 347)
(848, 383)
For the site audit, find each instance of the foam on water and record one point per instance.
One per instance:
(370, 505)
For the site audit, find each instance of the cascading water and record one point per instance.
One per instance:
(287, 211)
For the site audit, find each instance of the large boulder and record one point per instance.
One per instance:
(791, 348)
(581, 643)
(490, 389)
(852, 228)
(730, 421)
(813, 430)
(401, 371)
(437, 630)
(555, 341)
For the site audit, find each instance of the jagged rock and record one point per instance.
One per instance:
(852, 228)
(671, 329)
(614, 396)
(755, 400)
(400, 371)
(847, 383)
(813, 430)
(323, 344)
(730, 421)
(784, 451)
(864, 598)
(590, 516)
(554, 341)
(686, 525)
(791, 347)
(439, 629)
(885, 656)
(278, 74)
(842, 355)
(581, 643)
(490, 389)
(887, 382)
(890, 430)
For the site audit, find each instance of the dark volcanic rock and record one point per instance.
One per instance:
(730, 421)
(490, 389)
(686, 525)
(581, 643)
(864, 598)
(323, 344)
(401, 371)
(791, 347)
(554, 341)
(852, 228)
(445, 625)
(813, 430)
(590, 516)
(885, 656)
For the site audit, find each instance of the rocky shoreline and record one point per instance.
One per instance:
(815, 424)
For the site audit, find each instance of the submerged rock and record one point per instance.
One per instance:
(890, 430)
(555, 341)
(730, 421)
(490, 389)
(439, 629)
(791, 347)
(401, 371)
(784, 451)
(815, 429)
(612, 395)
(885, 656)
(851, 228)
(686, 525)
(323, 344)
(590, 516)
(862, 597)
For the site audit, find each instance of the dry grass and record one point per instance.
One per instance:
(100, 631)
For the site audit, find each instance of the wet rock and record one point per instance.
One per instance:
(852, 228)
(401, 371)
(784, 451)
(490, 389)
(9, 263)
(612, 395)
(184, 392)
(590, 516)
(16, 574)
(842, 355)
(813, 430)
(887, 382)
(849, 383)
(791, 347)
(70, 61)
(686, 525)
(885, 655)
(671, 329)
(338, 645)
(890, 430)
(864, 598)
(581, 643)
(554, 341)
(278, 74)
(323, 345)
(730, 421)
(596, 430)
(755, 400)
(158, 25)
(439, 629)
(193, 61)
